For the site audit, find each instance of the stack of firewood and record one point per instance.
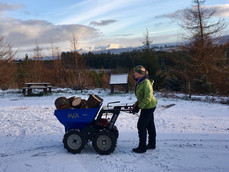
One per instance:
(93, 101)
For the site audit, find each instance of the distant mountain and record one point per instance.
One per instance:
(225, 38)
(116, 50)
(157, 47)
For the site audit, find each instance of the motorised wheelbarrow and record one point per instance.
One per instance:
(84, 125)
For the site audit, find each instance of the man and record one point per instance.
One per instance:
(147, 103)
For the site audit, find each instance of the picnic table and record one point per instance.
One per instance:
(45, 86)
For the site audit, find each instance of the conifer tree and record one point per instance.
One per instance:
(202, 34)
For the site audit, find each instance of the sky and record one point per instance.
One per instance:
(96, 24)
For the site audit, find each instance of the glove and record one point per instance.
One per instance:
(135, 109)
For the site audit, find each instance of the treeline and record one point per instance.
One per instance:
(130, 59)
(169, 70)
(160, 65)
(60, 72)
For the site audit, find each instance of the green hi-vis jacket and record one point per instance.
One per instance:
(144, 94)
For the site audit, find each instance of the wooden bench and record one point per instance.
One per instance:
(32, 86)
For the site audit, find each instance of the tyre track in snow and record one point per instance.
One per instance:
(17, 132)
(16, 128)
(164, 158)
(123, 159)
(10, 149)
(152, 158)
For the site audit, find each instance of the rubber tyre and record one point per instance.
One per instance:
(74, 141)
(104, 142)
(115, 131)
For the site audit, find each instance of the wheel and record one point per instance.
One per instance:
(115, 131)
(74, 141)
(104, 142)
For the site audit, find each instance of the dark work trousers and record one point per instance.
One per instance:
(146, 123)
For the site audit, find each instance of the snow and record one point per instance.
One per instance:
(191, 136)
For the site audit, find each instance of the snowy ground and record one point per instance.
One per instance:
(191, 136)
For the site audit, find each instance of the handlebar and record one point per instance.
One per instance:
(108, 104)
(124, 108)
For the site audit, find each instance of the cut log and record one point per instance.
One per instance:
(93, 101)
(71, 99)
(76, 103)
(84, 104)
(98, 97)
(62, 103)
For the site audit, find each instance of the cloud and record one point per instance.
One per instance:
(125, 35)
(92, 10)
(102, 22)
(24, 33)
(8, 7)
(175, 15)
(220, 11)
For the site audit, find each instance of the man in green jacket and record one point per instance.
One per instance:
(147, 103)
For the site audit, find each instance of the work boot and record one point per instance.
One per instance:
(139, 150)
(150, 146)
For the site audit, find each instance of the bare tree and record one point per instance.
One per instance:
(37, 52)
(7, 67)
(58, 67)
(74, 45)
(37, 62)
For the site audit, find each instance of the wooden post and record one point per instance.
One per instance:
(189, 89)
(112, 88)
(29, 91)
(50, 89)
(45, 90)
(23, 91)
(127, 90)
